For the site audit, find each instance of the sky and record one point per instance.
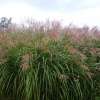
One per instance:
(78, 12)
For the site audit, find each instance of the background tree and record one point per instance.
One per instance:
(4, 23)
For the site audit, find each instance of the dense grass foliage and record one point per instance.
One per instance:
(47, 62)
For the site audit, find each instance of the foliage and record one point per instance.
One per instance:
(4, 23)
(48, 62)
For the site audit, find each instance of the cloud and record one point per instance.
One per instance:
(88, 16)
(79, 12)
(56, 5)
(20, 10)
(62, 5)
(46, 5)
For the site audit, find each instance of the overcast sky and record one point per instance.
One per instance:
(80, 12)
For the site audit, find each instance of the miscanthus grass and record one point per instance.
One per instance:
(47, 62)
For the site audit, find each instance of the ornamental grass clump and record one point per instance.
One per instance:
(48, 62)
